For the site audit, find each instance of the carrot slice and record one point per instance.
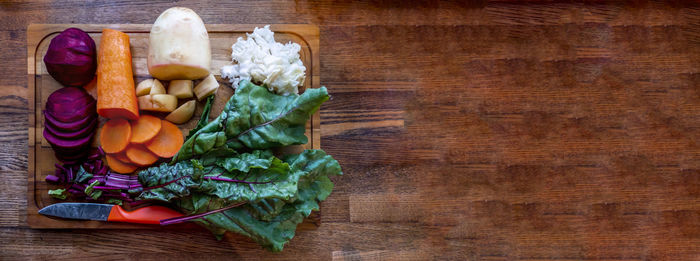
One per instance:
(140, 155)
(115, 135)
(121, 157)
(118, 166)
(144, 129)
(116, 95)
(168, 141)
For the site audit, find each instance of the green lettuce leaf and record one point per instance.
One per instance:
(255, 118)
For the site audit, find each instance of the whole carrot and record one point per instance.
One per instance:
(116, 95)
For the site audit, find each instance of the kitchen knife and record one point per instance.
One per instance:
(109, 212)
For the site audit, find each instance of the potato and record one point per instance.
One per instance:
(147, 86)
(158, 102)
(157, 88)
(182, 89)
(183, 113)
(179, 46)
(207, 87)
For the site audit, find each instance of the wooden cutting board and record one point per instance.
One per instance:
(41, 158)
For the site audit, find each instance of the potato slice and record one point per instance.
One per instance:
(158, 102)
(182, 89)
(183, 113)
(207, 87)
(157, 88)
(146, 87)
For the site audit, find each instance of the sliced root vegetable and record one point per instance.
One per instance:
(119, 166)
(121, 157)
(70, 135)
(116, 95)
(149, 86)
(183, 113)
(73, 116)
(115, 135)
(140, 155)
(70, 104)
(69, 127)
(68, 144)
(168, 141)
(182, 89)
(206, 87)
(144, 129)
(158, 102)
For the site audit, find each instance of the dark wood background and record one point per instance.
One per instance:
(470, 130)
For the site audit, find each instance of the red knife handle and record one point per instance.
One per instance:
(144, 215)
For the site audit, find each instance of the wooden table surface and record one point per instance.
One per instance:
(478, 130)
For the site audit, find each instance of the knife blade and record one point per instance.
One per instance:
(109, 212)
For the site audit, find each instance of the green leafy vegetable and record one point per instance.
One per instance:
(273, 210)
(225, 178)
(58, 193)
(92, 192)
(204, 119)
(114, 201)
(255, 118)
(82, 176)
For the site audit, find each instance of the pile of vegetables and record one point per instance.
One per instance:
(227, 178)
(139, 143)
(153, 97)
(226, 175)
(92, 181)
(70, 122)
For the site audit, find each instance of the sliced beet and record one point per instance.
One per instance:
(74, 134)
(69, 127)
(75, 114)
(68, 144)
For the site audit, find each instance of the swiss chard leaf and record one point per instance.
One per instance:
(204, 118)
(58, 193)
(92, 192)
(82, 176)
(273, 180)
(271, 222)
(266, 209)
(229, 165)
(257, 119)
(166, 182)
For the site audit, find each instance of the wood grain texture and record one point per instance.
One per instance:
(466, 130)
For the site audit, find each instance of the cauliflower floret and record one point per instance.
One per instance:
(262, 60)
